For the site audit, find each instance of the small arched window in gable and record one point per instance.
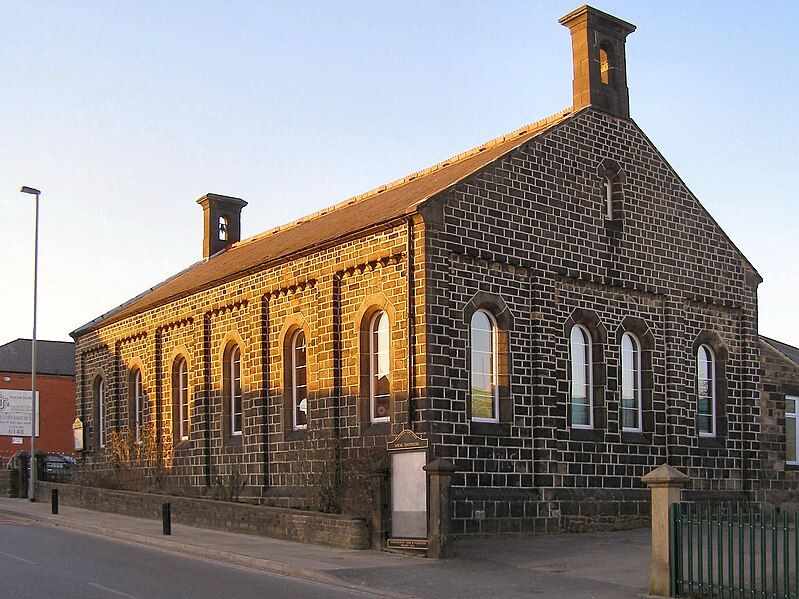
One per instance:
(612, 190)
(604, 65)
(609, 185)
(223, 228)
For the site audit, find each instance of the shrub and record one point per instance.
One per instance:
(131, 465)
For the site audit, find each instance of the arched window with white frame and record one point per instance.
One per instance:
(181, 401)
(706, 391)
(484, 376)
(631, 394)
(137, 404)
(581, 393)
(99, 397)
(234, 401)
(379, 368)
(299, 381)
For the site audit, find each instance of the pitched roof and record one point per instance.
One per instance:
(380, 205)
(789, 351)
(52, 357)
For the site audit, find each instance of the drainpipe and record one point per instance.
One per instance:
(409, 264)
(265, 345)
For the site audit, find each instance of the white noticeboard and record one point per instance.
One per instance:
(15, 413)
(408, 494)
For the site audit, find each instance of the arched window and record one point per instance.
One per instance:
(137, 404)
(706, 391)
(234, 390)
(582, 396)
(609, 184)
(604, 65)
(484, 368)
(379, 368)
(223, 228)
(180, 400)
(612, 184)
(299, 381)
(99, 397)
(630, 383)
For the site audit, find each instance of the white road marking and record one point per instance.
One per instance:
(22, 559)
(102, 588)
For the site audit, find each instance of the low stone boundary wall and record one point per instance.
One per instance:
(279, 523)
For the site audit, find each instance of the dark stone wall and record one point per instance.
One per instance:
(526, 237)
(531, 230)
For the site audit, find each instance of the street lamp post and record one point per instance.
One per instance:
(32, 461)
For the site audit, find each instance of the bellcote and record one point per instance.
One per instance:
(600, 63)
(221, 222)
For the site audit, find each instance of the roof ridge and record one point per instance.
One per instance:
(408, 178)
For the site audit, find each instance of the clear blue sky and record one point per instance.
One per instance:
(124, 113)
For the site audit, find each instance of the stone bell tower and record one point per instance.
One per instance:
(600, 63)
(221, 222)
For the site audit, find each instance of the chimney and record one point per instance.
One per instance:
(221, 222)
(600, 64)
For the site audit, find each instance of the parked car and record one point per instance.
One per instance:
(53, 467)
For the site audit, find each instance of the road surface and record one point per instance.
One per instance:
(39, 561)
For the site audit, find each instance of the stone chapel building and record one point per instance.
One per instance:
(554, 311)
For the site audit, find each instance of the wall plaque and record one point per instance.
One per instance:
(408, 544)
(77, 434)
(406, 440)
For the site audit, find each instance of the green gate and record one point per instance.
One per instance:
(734, 550)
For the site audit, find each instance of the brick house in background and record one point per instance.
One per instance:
(554, 311)
(55, 381)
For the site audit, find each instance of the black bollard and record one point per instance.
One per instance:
(166, 513)
(54, 501)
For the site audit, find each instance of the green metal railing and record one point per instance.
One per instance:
(734, 550)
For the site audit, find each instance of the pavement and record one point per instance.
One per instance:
(611, 565)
